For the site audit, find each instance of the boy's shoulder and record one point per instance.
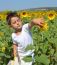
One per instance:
(13, 35)
(25, 25)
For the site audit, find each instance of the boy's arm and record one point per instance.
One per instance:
(36, 21)
(14, 50)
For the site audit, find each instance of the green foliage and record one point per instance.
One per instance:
(45, 43)
(29, 47)
(27, 58)
(42, 59)
(5, 43)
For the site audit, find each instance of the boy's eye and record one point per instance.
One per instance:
(18, 20)
(14, 22)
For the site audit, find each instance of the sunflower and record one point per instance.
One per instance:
(2, 17)
(24, 14)
(40, 14)
(56, 14)
(18, 13)
(44, 26)
(34, 14)
(51, 15)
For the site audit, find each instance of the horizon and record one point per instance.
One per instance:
(15, 5)
(41, 8)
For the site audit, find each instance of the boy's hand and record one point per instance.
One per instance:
(38, 21)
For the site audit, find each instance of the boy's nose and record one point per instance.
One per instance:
(17, 23)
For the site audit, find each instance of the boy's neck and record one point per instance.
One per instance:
(18, 31)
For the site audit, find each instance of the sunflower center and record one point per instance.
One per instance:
(50, 15)
(24, 13)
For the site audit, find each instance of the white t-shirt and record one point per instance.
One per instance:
(24, 39)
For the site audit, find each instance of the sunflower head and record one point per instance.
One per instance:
(44, 26)
(24, 14)
(51, 15)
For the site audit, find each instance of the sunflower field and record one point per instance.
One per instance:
(44, 38)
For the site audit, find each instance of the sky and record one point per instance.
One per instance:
(25, 4)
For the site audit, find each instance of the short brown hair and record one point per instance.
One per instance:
(10, 15)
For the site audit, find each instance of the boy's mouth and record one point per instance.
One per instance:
(19, 27)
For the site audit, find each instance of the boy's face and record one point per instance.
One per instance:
(16, 23)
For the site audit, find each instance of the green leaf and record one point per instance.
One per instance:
(29, 47)
(42, 59)
(27, 58)
(2, 54)
(7, 56)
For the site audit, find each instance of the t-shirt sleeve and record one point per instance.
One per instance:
(26, 27)
(13, 38)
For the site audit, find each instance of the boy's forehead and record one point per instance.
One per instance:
(15, 18)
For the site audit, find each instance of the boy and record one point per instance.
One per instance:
(22, 36)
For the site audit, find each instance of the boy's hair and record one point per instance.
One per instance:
(10, 15)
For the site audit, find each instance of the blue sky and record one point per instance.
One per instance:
(25, 4)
